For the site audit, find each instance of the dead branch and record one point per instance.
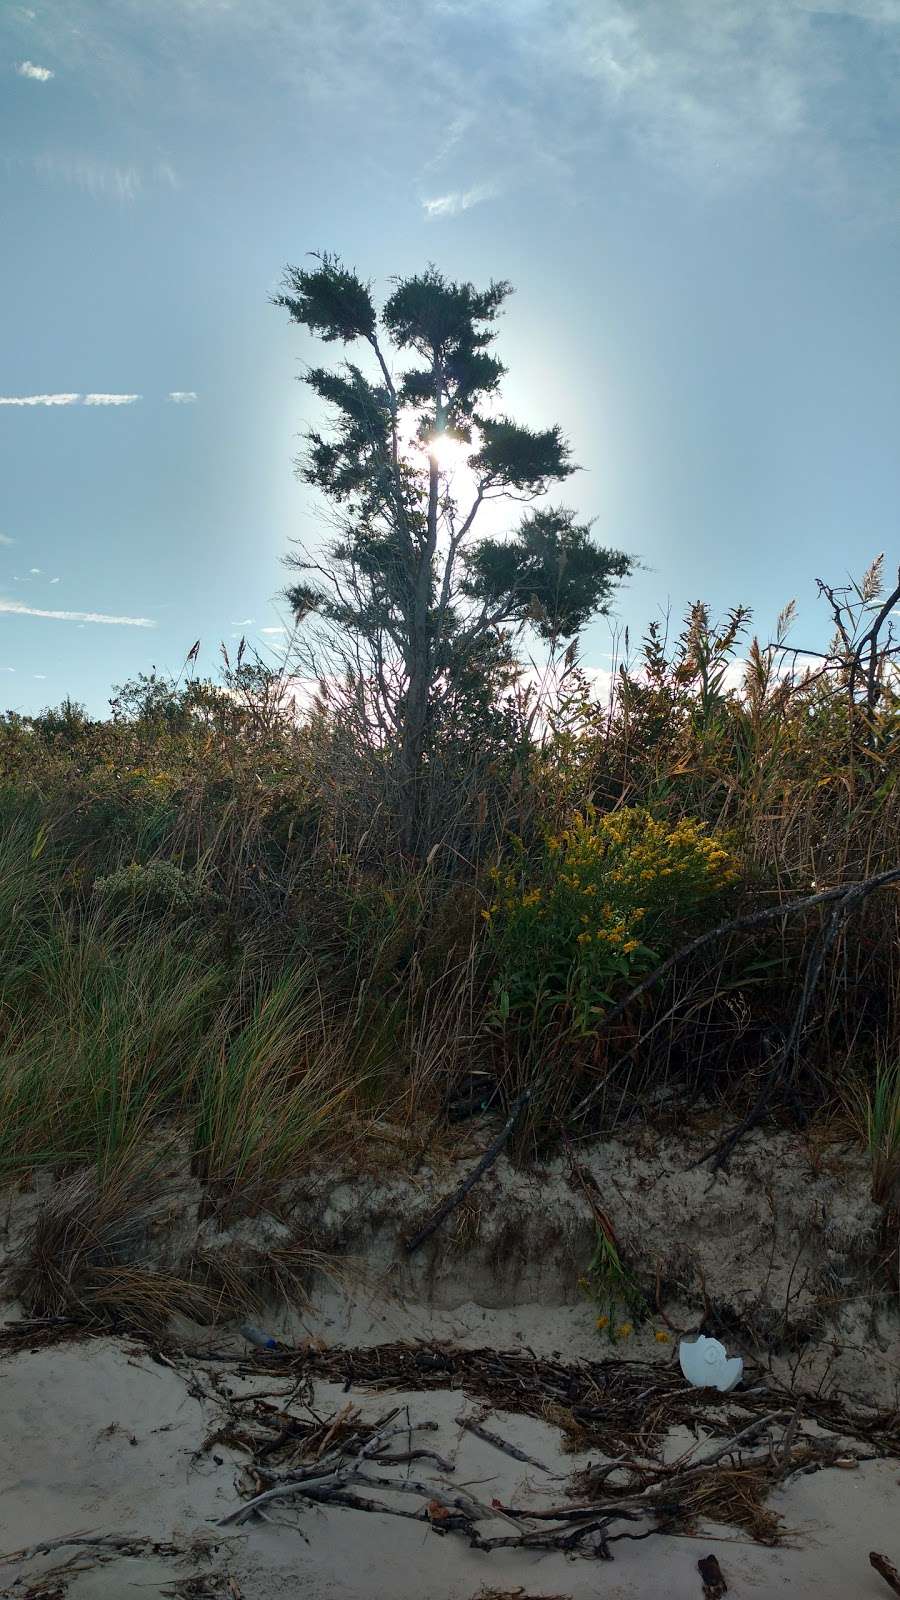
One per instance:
(456, 1198)
(503, 1444)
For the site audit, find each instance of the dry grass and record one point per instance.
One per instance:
(81, 1260)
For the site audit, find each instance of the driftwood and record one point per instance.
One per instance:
(714, 1585)
(459, 1194)
(886, 1570)
(754, 1441)
(502, 1444)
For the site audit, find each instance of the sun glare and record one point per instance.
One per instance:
(448, 452)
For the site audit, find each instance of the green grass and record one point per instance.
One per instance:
(273, 1087)
(116, 1032)
(875, 1112)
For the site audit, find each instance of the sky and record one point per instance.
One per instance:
(698, 202)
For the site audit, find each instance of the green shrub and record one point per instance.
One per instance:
(599, 906)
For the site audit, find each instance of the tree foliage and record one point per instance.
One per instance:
(418, 601)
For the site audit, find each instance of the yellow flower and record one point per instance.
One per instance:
(629, 945)
(624, 1330)
(661, 1336)
(602, 1322)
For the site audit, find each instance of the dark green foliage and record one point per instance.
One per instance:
(550, 574)
(331, 300)
(513, 457)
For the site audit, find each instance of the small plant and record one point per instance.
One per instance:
(600, 905)
(613, 1288)
(159, 888)
(875, 1113)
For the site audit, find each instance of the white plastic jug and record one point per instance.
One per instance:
(705, 1364)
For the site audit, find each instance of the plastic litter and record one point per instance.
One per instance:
(706, 1364)
(256, 1336)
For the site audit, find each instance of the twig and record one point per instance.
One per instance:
(459, 1194)
(502, 1444)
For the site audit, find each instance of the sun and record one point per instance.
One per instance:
(447, 451)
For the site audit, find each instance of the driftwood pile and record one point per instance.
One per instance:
(743, 1446)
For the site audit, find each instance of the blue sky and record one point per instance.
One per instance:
(697, 200)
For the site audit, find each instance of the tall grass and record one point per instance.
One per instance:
(274, 1087)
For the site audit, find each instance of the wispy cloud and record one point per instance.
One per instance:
(16, 609)
(111, 399)
(739, 91)
(450, 205)
(724, 94)
(39, 399)
(182, 397)
(273, 630)
(7, 669)
(100, 178)
(5, 539)
(35, 572)
(69, 399)
(30, 69)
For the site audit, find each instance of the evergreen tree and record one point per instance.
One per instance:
(420, 599)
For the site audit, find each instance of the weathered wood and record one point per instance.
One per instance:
(886, 1570)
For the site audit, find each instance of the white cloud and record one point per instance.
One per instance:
(29, 69)
(54, 580)
(273, 630)
(69, 399)
(35, 571)
(247, 623)
(111, 399)
(450, 205)
(40, 674)
(182, 397)
(7, 669)
(39, 399)
(15, 608)
(5, 539)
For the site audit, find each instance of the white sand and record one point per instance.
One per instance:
(97, 1437)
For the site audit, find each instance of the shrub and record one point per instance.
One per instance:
(602, 903)
(158, 888)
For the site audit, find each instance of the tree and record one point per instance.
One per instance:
(418, 599)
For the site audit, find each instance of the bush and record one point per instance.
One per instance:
(603, 902)
(160, 888)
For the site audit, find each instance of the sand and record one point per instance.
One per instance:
(98, 1437)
